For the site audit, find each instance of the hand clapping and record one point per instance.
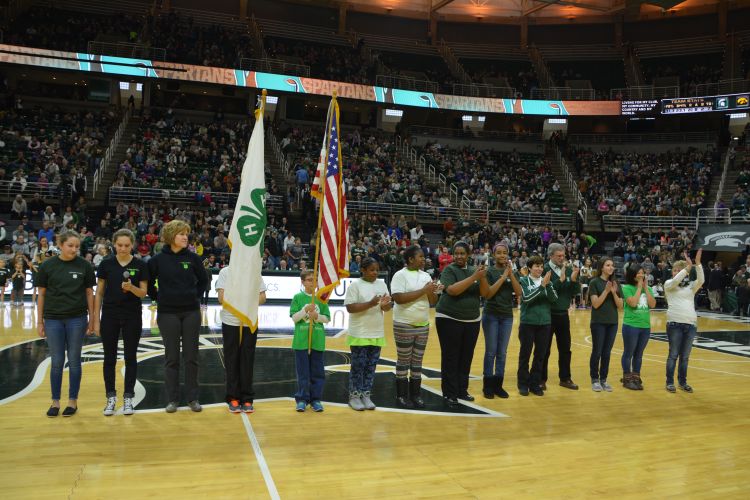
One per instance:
(547, 278)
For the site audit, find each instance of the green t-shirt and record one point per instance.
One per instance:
(500, 304)
(302, 327)
(65, 283)
(640, 316)
(606, 313)
(463, 307)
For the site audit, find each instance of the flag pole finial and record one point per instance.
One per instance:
(335, 94)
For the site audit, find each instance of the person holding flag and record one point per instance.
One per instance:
(332, 242)
(306, 309)
(240, 294)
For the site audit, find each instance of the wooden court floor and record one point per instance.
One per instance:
(624, 444)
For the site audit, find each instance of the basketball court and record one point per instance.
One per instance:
(567, 444)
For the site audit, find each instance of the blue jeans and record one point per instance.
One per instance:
(602, 338)
(496, 337)
(65, 335)
(681, 336)
(634, 340)
(310, 375)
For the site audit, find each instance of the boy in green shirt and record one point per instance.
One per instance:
(310, 367)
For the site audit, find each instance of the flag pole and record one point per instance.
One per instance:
(321, 190)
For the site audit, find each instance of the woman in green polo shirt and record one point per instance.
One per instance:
(636, 325)
(65, 313)
(606, 301)
(497, 320)
(457, 320)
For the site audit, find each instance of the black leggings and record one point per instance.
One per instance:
(457, 342)
(111, 328)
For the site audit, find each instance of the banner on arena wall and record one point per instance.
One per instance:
(146, 68)
(723, 237)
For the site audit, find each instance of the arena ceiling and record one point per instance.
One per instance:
(504, 9)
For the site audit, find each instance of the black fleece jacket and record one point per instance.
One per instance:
(181, 280)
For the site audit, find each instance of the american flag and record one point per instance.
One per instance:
(333, 243)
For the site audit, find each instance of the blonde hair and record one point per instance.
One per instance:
(172, 229)
(679, 265)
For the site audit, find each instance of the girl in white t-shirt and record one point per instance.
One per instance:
(366, 300)
(413, 293)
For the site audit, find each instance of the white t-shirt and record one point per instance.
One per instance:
(415, 313)
(227, 317)
(681, 300)
(368, 324)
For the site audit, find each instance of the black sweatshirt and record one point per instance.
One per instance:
(181, 280)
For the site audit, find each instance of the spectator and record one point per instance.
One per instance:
(19, 208)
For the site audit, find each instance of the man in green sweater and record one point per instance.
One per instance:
(534, 330)
(565, 283)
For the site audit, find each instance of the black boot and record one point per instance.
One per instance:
(402, 393)
(488, 384)
(415, 390)
(498, 388)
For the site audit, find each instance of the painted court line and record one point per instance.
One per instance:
(261, 459)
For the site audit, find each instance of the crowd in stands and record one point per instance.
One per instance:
(520, 76)
(691, 72)
(58, 29)
(178, 35)
(327, 62)
(495, 180)
(374, 170)
(740, 201)
(668, 184)
(197, 159)
(43, 149)
(187, 42)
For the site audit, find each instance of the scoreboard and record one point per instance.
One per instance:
(684, 105)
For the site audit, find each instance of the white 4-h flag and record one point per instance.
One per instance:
(242, 289)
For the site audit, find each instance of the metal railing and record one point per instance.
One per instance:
(483, 90)
(559, 93)
(645, 92)
(722, 182)
(99, 174)
(733, 86)
(572, 184)
(9, 189)
(713, 216)
(126, 49)
(418, 162)
(615, 222)
(686, 137)
(481, 216)
(133, 194)
(482, 134)
(278, 153)
(277, 66)
(407, 83)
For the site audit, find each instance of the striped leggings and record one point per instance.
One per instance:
(411, 342)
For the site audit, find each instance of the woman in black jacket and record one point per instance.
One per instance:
(181, 280)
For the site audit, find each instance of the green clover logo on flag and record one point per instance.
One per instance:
(252, 226)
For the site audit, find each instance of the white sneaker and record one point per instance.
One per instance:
(127, 406)
(355, 401)
(606, 386)
(596, 386)
(109, 410)
(367, 402)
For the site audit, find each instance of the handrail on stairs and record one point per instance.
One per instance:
(103, 166)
